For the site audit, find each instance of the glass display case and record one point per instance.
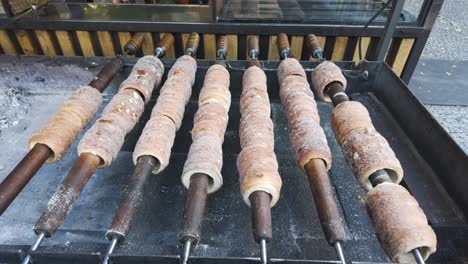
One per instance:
(80, 25)
(311, 11)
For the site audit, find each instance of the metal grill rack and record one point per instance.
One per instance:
(435, 179)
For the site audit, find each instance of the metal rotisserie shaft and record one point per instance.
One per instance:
(134, 191)
(62, 201)
(14, 183)
(132, 195)
(261, 216)
(107, 74)
(327, 208)
(195, 208)
(22, 174)
(336, 92)
(197, 195)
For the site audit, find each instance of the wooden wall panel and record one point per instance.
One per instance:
(402, 55)
(148, 44)
(296, 46)
(209, 41)
(170, 53)
(65, 42)
(45, 39)
(26, 42)
(339, 48)
(6, 43)
(232, 47)
(124, 37)
(273, 48)
(107, 45)
(44, 42)
(185, 38)
(86, 43)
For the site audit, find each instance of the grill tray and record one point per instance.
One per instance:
(430, 158)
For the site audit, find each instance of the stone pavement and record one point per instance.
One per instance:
(441, 78)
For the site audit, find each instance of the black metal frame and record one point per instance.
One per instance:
(420, 32)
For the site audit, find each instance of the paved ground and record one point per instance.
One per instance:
(445, 60)
(449, 38)
(455, 120)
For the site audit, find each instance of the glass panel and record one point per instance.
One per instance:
(142, 2)
(128, 12)
(305, 11)
(411, 9)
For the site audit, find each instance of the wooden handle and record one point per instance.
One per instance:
(283, 45)
(313, 45)
(166, 42)
(192, 44)
(221, 47)
(134, 44)
(105, 76)
(253, 46)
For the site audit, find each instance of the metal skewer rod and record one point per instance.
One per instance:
(194, 213)
(261, 221)
(133, 193)
(418, 256)
(110, 250)
(64, 198)
(197, 195)
(20, 176)
(339, 252)
(33, 248)
(186, 255)
(259, 201)
(263, 251)
(327, 208)
(71, 187)
(130, 202)
(337, 94)
(317, 174)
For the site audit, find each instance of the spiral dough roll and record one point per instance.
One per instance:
(158, 135)
(324, 74)
(65, 125)
(365, 149)
(105, 138)
(256, 163)
(184, 66)
(307, 136)
(145, 75)
(210, 122)
(290, 67)
(400, 223)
